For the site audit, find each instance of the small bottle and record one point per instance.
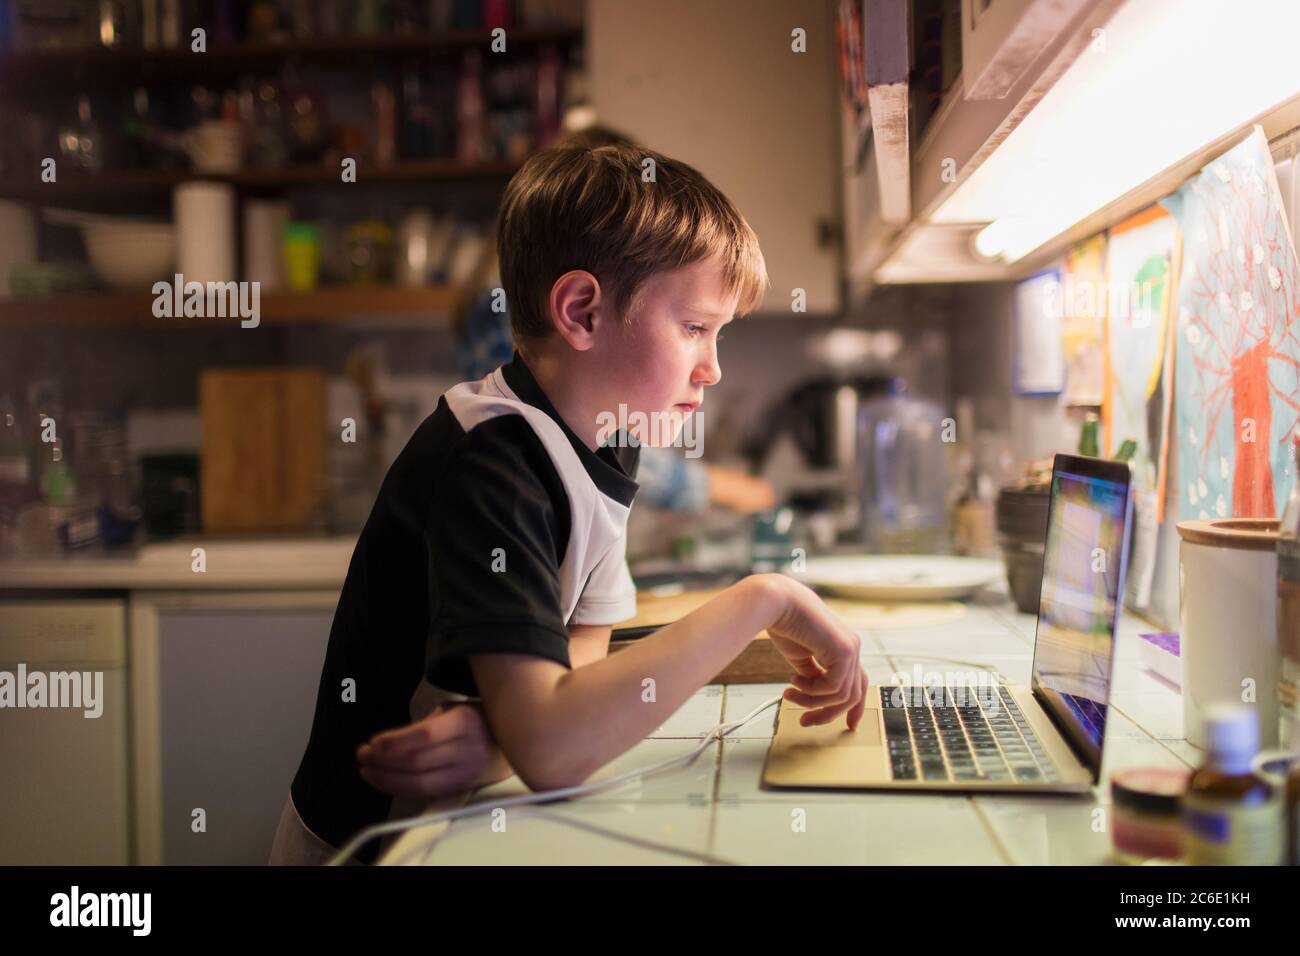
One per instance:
(1089, 444)
(1233, 818)
(471, 121)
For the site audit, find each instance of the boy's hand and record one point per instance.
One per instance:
(449, 751)
(824, 652)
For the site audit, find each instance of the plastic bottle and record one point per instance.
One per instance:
(1233, 818)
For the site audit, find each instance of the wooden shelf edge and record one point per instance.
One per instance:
(325, 305)
(114, 183)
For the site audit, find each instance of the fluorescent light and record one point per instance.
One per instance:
(1165, 78)
(991, 241)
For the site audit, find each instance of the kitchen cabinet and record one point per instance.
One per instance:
(223, 692)
(978, 112)
(65, 796)
(718, 86)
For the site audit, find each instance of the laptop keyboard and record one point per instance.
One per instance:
(961, 734)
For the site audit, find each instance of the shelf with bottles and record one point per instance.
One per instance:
(66, 43)
(47, 71)
(438, 113)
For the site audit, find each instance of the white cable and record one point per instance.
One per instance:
(547, 814)
(564, 793)
(544, 796)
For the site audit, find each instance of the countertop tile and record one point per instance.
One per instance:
(873, 829)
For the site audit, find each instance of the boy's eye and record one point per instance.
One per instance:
(695, 330)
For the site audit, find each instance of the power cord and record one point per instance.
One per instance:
(545, 814)
(564, 793)
(544, 796)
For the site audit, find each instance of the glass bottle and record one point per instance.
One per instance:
(1232, 817)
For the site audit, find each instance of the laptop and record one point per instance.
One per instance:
(955, 733)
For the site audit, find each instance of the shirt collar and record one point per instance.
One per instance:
(612, 467)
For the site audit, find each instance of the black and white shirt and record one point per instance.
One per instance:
(495, 528)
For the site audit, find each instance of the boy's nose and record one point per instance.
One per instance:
(709, 372)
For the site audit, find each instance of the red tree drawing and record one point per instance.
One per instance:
(1243, 299)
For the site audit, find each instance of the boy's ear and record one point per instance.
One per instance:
(575, 308)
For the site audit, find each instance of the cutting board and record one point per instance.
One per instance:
(760, 662)
(264, 457)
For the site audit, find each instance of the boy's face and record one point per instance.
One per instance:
(660, 361)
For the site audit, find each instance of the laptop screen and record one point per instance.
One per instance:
(1083, 581)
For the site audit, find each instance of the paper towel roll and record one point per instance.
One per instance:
(205, 231)
(264, 222)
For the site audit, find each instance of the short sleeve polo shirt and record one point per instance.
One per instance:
(494, 530)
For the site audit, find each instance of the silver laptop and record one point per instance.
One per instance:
(976, 735)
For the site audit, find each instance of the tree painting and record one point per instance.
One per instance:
(1237, 379)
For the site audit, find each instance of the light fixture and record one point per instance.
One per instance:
(990, 242)
(1163, 79)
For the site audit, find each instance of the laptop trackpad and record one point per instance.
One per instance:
(834, 734)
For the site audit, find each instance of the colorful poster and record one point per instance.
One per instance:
(1238, 346)
(1083, 313)
(1140, 257)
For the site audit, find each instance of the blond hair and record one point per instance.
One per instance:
(578, 207)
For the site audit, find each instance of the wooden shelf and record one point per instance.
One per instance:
(112, 185)
(323, 306)
(44, 71)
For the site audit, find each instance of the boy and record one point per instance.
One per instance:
(492, 565)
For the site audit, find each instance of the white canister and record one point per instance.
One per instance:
(264, 222)
(1227, 591)
(205, 231)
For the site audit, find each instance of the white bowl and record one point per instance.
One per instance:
(131, 255)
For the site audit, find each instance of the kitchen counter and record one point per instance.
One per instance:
(245, 563)
(714, 807)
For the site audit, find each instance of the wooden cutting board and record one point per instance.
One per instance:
(760, 662)
(264, 458)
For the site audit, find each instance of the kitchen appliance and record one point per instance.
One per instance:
(821, 416)
(1047, 737)
(902, 472)
(1227, 596)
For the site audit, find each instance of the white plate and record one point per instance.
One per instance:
(900, 577)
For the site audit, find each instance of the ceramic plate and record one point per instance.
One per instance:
(900, 577)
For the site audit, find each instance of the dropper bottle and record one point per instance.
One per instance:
(1233, 818)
